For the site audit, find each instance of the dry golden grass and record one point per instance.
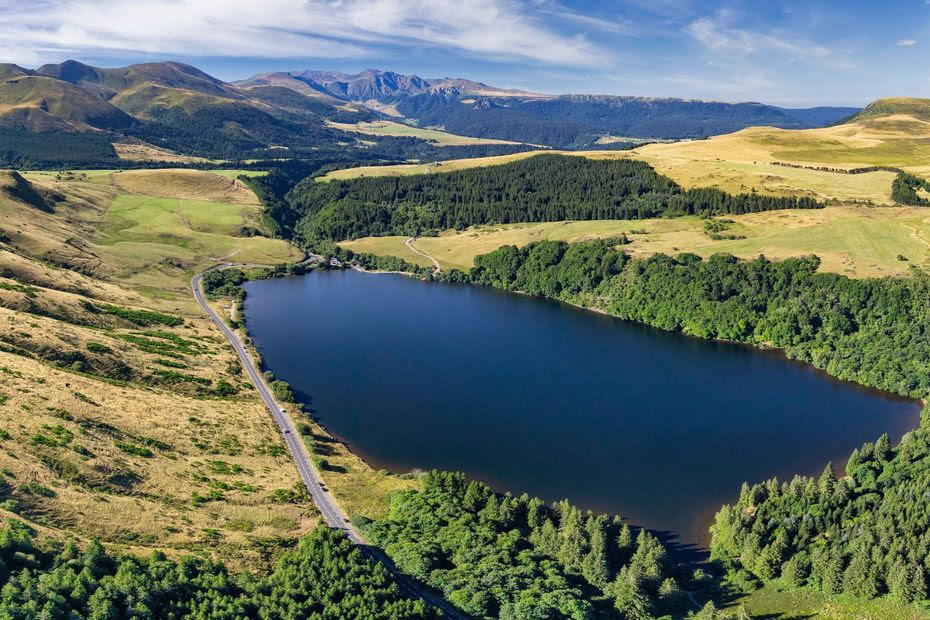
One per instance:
(147, 152)
(104, 435)
(443, 166)
(64, 435)
(184, 184)
(745, 159)
(434, 136)
(855, 241)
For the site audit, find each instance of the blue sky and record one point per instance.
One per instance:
(787, 52)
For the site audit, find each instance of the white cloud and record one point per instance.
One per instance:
(906, 42)
(720, 34)
(51, 29)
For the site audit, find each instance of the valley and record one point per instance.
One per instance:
(727, 250)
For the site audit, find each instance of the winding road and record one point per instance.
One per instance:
(329, 508)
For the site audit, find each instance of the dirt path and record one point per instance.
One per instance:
(409, 244)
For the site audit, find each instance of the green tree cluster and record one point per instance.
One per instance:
(543, 188)
(499, 556)
(866, 534)
(324, 577)
(905, 190)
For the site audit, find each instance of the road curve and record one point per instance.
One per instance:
(329, 508)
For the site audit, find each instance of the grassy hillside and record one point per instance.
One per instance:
(854, 241)
(890, 133)
(117, 397)
(911, 106)
(400, 130)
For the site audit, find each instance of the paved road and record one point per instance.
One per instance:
(409, 244)
(332, 513)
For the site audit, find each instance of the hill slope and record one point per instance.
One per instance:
(72, 114)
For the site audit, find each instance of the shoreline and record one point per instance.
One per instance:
(673, 538)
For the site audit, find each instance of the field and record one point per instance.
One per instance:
(409, 169)
(855, 241)
(389, 246)
(400, 130)
(149, 229)
(147, 152)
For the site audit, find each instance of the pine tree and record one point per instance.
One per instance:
(625, 542)
(670, 593)
(882, 448)
(545, 539)
(594, 567)
(629, 598)
(859, 578)
(827, 479)
(572, 548)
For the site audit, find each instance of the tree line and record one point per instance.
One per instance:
(542, 188)
(866, 534)
(325, 576)
(500, 556)
(871, 331)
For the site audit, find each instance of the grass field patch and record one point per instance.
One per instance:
(855, 241)
(400, 130)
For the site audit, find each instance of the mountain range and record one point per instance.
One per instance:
(163, 109)
(566, 121)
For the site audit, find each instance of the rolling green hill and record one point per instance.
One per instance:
(891, 106)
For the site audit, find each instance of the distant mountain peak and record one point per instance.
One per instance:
(70, 71)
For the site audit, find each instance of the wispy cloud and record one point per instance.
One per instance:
(906, 42)
(721, 34)
(50, 29)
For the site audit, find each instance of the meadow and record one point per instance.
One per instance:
(428, 168)
(854, 241)
(150, 230)
(400, 130)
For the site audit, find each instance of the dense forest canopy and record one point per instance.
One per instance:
(542, 188)
(326, 576)
(499, 556)
(866, 534)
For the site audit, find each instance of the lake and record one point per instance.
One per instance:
(531, 395)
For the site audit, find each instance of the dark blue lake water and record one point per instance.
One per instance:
(533, 395)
